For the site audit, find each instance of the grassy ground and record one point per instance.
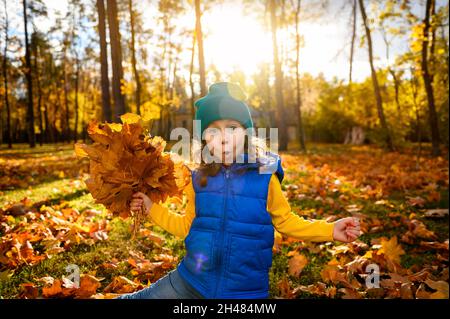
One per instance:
(56, 179)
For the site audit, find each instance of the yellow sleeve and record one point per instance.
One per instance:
(176, 224)
(290, 224)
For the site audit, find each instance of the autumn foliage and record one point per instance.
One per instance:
(48, 220)
(395, 229)
(124, 160)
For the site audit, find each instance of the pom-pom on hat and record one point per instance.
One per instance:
(225, 100)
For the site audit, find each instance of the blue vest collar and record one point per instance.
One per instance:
(242, 161)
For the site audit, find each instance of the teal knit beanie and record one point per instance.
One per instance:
(225, 100)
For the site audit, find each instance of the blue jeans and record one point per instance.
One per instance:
(170, 286)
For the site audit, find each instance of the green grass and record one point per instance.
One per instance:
(22, 150)
(56, 190)
(278, 271)
(88, 258)
(311, 273)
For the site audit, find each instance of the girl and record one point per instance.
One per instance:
(232, 210)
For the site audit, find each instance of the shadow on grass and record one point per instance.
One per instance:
(24, 151)
(56, 200)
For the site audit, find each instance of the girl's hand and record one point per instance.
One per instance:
(140, 200)
(346, 229)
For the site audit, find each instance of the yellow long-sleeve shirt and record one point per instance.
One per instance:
(283, 219)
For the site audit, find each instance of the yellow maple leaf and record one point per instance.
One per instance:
(130, 118)
(391, 249)
(296, 264)
(124, 160)
(441, 288)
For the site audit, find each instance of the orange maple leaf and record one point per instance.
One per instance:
(391, 249)
(123, 161)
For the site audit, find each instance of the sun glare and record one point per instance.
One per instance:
(235, 41)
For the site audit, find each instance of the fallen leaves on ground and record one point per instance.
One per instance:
(123, 161)
(392, 237)
(40, 234)
(399, 205)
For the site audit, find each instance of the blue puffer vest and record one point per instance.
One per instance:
(229, 245)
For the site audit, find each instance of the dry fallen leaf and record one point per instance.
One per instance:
(441, 288)
(121, 284)
(88, 286)
(54, 290)
(436, 213)
(29, 291)
(418, 229)
(350, 293)
(285, 289)
(332, 273)
(123, 161)
(391, 249)
(296, 264)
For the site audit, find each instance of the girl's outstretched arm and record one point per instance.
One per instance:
(176, 224)
(288, 223)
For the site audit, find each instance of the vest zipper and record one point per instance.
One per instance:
(220, 257)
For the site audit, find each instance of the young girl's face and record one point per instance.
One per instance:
(225, 139)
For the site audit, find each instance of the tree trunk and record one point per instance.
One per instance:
(106, 97)
(282, 127)
(66, 95)
(375, 83)
(393, 74)
(41, 125)
(116, 60)
(271, 119)
(48, 126)
(133, 58)
(355, 136)
(414, 90)
(34, 48)
(201, 58)
(443, 29)
(397, 91)
(30, 111)
(53, 136)
(301, 131)
(352, 46)
(191, 82)
(5, 79)
(171, 117)
(84, 89)
(428, 79)
(77, 75)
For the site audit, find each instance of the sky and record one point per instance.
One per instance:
(234, 39)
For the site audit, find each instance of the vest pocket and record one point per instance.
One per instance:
(199, 257)
(245, 266)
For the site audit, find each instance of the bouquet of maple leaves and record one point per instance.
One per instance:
(124, 159)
